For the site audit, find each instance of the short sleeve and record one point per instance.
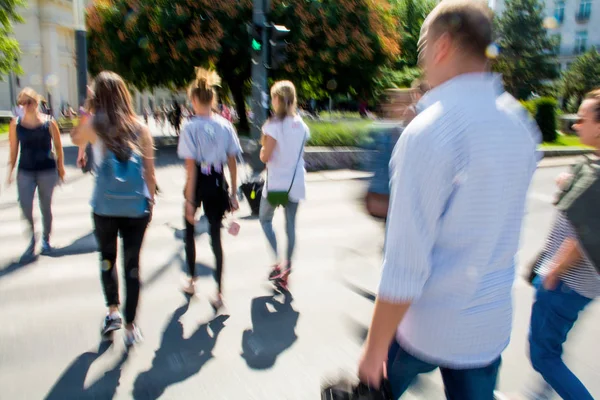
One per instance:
(187, 148)
(234, 148)
(272, 129)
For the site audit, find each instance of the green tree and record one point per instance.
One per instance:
(9, 47)
(154, 43)
(526, 57)
(410, 15)
(581, 77)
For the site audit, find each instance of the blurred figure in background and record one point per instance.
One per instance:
(124, 162)
(459, 179)
(398, 110)
(284, 137)
(41, 163)
(208, 143)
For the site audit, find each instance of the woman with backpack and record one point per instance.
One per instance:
(207, 143)
(284, 137)
(41, 163)
(123, 197)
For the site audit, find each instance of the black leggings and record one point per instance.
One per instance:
(215, 241)
(132, 231)
(212, 194)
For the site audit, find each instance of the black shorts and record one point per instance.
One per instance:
(212, 193)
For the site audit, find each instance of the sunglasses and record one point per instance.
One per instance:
(27, 103)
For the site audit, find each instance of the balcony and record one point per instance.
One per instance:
(582, 17)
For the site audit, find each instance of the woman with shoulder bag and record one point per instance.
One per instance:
(123, 197)
(284, 137)
(41, 163)
(207, 143)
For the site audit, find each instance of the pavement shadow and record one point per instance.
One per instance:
(71, 383)
(273, 331)
(16, 265)
(177, 359)
(84, 245)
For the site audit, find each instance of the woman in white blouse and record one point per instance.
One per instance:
(284, 137)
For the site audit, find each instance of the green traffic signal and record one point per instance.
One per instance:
(256, 45)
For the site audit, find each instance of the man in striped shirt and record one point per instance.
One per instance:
(567, 282)
(459, 179)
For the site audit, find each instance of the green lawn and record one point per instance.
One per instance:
(564, 141)
(3, 129)
(346, 133)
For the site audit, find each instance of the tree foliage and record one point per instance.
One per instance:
(9, 47)
(581, 77)
(410, 15)
(154, 43)
(526, 58)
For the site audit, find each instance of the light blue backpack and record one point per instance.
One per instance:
(120, 187)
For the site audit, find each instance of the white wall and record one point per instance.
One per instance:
(48, 51)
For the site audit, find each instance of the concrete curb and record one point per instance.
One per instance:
(569, 151)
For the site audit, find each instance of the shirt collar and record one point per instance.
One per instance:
(471, 83)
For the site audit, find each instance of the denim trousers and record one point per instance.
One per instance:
(553, 314)
(459, 384)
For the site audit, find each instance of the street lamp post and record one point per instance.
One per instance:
(80, 51)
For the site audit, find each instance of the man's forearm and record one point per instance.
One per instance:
(386, 318)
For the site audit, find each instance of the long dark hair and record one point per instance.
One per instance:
(115, 121)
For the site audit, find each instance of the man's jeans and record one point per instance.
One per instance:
(553, 314)
(460, 384)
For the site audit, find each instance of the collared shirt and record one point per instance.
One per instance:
(209, 141)
(459, 179)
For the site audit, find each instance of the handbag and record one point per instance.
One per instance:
(281, 197)
(344, 390)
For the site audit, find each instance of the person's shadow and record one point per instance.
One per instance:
(84, 245)
(272, 332)
(178, 359)
(70, 385)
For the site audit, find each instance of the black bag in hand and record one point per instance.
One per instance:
(253, 192)
(344, 390)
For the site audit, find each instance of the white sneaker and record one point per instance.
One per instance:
(133, 337)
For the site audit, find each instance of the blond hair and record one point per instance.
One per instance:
(203, 86)
(468, 22)
(28, 92)
(285, 91)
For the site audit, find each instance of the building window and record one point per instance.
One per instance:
(556, 39)
(580, 42)
(585, 9)
(559, 11)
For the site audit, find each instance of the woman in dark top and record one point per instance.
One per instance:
(40, 163)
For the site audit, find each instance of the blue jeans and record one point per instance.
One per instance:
(266, 213)
(459, 384)
(553, 314)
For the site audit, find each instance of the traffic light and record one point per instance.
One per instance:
(256, 41)
(278, 46)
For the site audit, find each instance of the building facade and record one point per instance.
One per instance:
(575, 26)
(48, 56)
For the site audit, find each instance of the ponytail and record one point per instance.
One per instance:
(286, 93)
(203, 86)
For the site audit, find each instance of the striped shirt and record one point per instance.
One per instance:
(582, 277)
(459, 179)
